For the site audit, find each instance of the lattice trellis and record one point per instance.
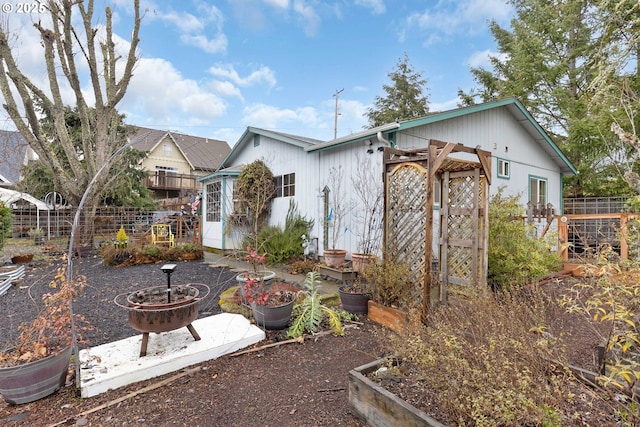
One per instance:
(409, 179)
(406, 213)
(462, 225)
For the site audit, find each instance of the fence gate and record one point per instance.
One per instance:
(463, 222)
(410, 179)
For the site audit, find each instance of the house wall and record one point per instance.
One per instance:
(282, 159)
(493, 130)
(174, 159)
(499, 133)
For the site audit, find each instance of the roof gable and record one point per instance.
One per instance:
(247, 138)
(517, 110)
(520, 114)
(201, 153)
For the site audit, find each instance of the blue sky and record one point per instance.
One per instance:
(211, 69)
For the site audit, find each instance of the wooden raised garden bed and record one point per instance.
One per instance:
(341, 275)
(379, 407)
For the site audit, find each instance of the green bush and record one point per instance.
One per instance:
(283, 245)
(516, 255)
(6, 221)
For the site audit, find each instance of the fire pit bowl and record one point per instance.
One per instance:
(151, 310)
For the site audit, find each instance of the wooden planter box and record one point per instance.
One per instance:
(341, 275)
(392, 318)
(379, 407)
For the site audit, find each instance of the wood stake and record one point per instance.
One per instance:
(130, 395)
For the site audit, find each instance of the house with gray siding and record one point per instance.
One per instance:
(525, 162)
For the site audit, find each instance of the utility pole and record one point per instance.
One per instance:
(335, 119)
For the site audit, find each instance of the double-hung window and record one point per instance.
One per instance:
(538, 190)
(285, 185)
(504, 168)
(214, 200)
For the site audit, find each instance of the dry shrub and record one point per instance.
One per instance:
(486, 358)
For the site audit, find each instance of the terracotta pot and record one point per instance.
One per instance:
(34, 380)
(353, 302)
(334, 257)
(22, 259)
(361, 261)
(272, 317)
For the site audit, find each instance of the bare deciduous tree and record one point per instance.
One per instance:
(66, 50)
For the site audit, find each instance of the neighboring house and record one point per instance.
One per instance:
(525, 161)
(14, 153)
(175, 161)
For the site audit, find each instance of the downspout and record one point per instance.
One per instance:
(382, 140)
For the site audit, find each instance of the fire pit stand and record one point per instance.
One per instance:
(152, 310)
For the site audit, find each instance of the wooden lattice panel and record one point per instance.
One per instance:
(460, 225)
(406, 206)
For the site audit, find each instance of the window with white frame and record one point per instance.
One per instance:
(166, 149)
(538, 190)
(285, 185)
(256, 140)
(504, 168)
(214, 201)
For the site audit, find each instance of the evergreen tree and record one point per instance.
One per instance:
(406, 98)
(548, 59)
(124, 186)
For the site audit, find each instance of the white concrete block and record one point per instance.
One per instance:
(117, 364)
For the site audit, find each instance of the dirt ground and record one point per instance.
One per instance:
(286, 385)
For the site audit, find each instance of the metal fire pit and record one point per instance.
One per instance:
(149, 312)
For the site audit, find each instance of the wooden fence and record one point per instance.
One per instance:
(581, 236)
(136, 222)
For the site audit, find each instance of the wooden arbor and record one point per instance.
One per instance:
(410, 177)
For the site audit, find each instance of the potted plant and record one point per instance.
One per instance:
(38, 235)
(271, 309)
(37, 366)
(393, 292)
(19, 254)
(257, 273)
(367, 187)
(122, 240)
(355, 296)
(339, 208)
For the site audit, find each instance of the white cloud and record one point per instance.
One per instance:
(482, 58)
(194, 29)
(377, 6)
(270, 117)
(262, 75)
(160, 95)
(226, 89)
(444, 106)
(468, 16)
(310, 19)
(282, 4)
(218, 44)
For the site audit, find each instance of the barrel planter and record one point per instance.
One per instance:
(273, 317)
(34, 380)
(353, 302)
